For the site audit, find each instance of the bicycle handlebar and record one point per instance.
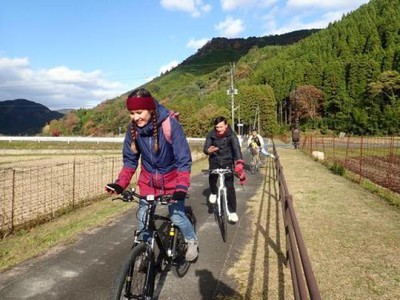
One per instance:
(218, 171)
(129, 196)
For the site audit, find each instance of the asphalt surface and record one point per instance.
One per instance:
(87, 268)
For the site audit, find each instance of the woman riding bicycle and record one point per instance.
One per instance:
(165, 165)
(223, 148)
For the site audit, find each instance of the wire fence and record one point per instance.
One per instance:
(37, 193)
(39, 190)
(374, 158)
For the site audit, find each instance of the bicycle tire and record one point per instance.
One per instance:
(181, 266)
(134, 278)
(254, 164)
(224, 217)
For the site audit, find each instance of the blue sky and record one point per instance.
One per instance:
(76, 54)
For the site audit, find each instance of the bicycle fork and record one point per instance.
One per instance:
(172, 240)
(150, 263)
(150, 274)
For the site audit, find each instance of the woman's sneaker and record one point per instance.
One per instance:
(233, 217)
(192, 250)
(212, 199)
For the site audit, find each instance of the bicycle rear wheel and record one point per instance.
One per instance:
(135, 275)
(181, 266)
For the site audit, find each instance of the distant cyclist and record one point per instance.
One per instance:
(165, 165)
(256, 140)
(223, 150)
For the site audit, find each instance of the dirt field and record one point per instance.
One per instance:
(375, 168)
(352, 236)
(56, 180)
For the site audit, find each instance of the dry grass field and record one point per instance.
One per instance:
(352, 236)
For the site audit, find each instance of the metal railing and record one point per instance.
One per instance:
(303, 279)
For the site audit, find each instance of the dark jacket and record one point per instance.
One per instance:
(229, 149)
(166, 171)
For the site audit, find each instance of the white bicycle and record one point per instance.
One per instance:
(221, 210)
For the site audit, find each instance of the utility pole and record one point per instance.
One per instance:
(257, 119)
(232, 91)
(296, 112)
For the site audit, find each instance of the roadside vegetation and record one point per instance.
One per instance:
(66, 229)
(352, 236)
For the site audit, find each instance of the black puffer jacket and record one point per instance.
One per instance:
(229, 149)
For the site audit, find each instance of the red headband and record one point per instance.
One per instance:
(137, 103)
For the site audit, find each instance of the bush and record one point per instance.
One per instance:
(337, 169)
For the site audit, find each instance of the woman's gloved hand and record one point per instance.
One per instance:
(239, 172)
(178, 196)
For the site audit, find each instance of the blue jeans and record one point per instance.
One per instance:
(177, 215)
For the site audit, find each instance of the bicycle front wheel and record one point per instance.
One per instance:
(133, 278)
(224, 216)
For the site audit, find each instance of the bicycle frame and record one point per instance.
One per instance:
(170, 248)
(222, 210)
(149, 225)
(221, 189)
(256, 160)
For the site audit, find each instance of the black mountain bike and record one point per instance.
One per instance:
(162, 248)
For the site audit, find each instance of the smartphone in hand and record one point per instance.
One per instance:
(110, 188)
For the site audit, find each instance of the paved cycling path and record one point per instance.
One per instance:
(86, 269)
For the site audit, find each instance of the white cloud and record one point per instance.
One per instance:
(55, 88)
(306, 14)
(230, 28)
(168, 66)
(332, 4)
(194, 7)
(196, 44)
(229, 5)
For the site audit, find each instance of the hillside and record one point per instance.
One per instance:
(222, 51)
(179, 89)
(24, 117)
(342, 78)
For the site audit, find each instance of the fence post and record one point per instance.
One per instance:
(390, 163)
(73, 182)
(361, 157)
(112, 168)
(347, 152)
(13, 200)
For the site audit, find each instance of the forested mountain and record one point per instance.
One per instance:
(355, 63)
(219, 51)
(343, 78)
(201, 74)
(24, 117)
